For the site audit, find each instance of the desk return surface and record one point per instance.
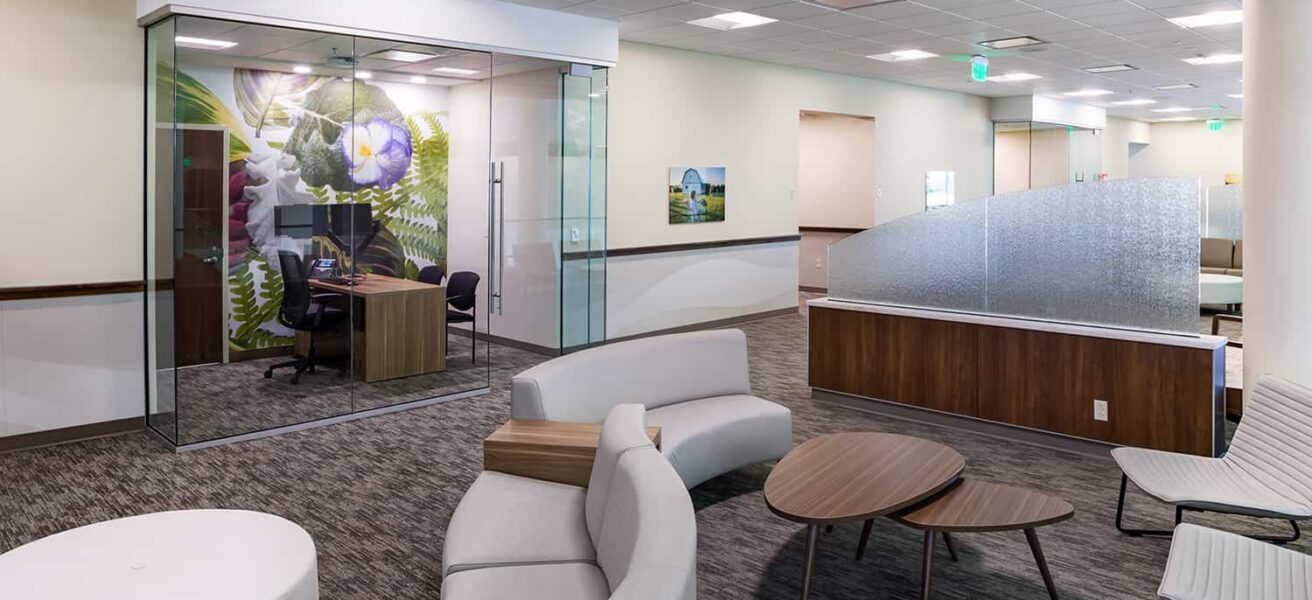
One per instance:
(399, 326)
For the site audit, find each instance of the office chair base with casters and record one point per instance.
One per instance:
(304, 310)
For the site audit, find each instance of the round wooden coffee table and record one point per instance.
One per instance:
(853, 477)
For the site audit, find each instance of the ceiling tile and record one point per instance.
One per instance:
(637, 6)
(743, 5)
(792, 11)
(932, 19)
(892, 10)
(993, 10)
(833, 20)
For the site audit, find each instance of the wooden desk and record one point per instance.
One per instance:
(560, 451)
(399, 327)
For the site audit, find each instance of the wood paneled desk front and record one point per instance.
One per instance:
(399, 327)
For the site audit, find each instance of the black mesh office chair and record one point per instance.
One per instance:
(432, 275)
(462, 295)
(303, 310)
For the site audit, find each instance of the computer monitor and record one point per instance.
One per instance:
(352, 226)
(301, 221)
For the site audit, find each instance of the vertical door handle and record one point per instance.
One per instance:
(496, 206)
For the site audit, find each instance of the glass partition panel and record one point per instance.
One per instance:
(1080, 253)
(583, 205)
(161, 410)
(1223, 212)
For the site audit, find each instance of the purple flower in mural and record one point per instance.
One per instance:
(376, 152)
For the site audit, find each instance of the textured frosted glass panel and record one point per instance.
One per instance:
(932, 259)
(1119, 253)
(1224, 216)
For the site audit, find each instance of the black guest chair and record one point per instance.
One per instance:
(432, 275)
(303, 310)
(462, 295)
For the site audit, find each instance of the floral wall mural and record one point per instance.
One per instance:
(304, 139)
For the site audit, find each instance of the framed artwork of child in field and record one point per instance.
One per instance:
(696, 195)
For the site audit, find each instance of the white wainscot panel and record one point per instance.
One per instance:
(70, 361)
(650, 292)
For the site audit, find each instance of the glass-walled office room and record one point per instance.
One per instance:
(340, 224)
(1030, 155)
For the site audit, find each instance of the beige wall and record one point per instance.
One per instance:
(1049, 157)
(1187, 148)
(72, 99)
(1011, 161)
(743, 115)
(835, 170)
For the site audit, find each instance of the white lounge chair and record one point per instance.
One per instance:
(1206, 564)
(1267, 471)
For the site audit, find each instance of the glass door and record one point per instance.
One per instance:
(583, 208)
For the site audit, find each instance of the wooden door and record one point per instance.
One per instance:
(198, 278)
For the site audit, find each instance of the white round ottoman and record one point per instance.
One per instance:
(1220, 289)
(192, 554)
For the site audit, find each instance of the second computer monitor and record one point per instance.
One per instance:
(353, 224)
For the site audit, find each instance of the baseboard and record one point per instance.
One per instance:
(812, 289)
(504, 341)
(1013, 433)
(77, 433)
(244, 355)
(716, 324)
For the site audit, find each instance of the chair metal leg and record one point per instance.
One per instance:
(927, 566)
(1033, 538)
(865, 538)
(1179, 518)
(952, 547)
(808, 568)
(829, 528)
(473, 342)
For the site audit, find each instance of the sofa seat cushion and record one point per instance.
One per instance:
(508, 520)
(577, 581)
(707, 437)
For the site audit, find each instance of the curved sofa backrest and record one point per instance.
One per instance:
(648, 542)
(651, 371)
(625, 429)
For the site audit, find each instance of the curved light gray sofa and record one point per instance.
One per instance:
(696, 388)
(630, 535)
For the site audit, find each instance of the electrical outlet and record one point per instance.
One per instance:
(819, 263)
(1100, 410)
(574, 234)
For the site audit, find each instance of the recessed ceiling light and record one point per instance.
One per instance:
(902, 55)
(1174, 109)
(363, 75)
(302, 69)
(1011, 77)
(202, 43)
(732, 20)
(1215, 59)
(1135, 102)
(1240, 95)
(1013, 42)
(1173, 119)
(1111, 68)
(455, 71)
(405, 56)
(1089, 93)
(1220, 17)
(418, 79)
(1175, 86)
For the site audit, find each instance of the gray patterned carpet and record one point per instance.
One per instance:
(377, 493)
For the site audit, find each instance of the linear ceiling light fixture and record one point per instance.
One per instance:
(902, 55)
(1175, 86)
(1013, 77)
(1135, 102)
(1012, 42)
(732, 20)
(1176, 119)
(454, 71)
(1211, 19)
(1215, 59)
(302, 69)
(202, 43)
(1174, 109)
(1111, 68)
(1239, 95)
(1089, 93)
(404, 56)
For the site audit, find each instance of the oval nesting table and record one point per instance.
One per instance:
(853, 477)
(195, 554)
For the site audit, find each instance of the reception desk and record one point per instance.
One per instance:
(1162, 391)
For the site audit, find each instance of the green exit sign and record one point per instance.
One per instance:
(1215, 125)
(979, 68)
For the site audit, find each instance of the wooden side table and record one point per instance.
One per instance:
(981, 506)
(560, 451)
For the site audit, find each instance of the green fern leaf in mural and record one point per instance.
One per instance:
(196, 104)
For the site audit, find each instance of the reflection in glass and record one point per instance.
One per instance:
(940, 189)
